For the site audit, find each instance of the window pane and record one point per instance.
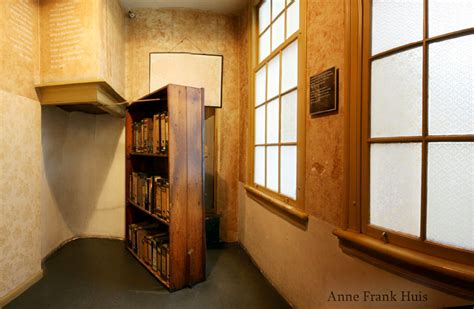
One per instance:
(272, 121)
(450, 94)
(264, 16)
(272, 168)
(264, 46)
(278, 32)
(450, 15)
(260, 125)
(293, 18)
(289, 117)
(277, 7)
(396, 94)
(395, 23)
(260, 83)
(273, 77)
(395, 186)
(259, 174)
(450, 210)
(288, 171)
(289, 66)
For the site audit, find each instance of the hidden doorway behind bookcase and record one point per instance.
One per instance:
(210, 148)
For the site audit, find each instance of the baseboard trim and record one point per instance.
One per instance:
(85, 236)
(4, 300)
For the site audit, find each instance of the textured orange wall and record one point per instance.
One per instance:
(325, 135)
(244, 69)
(180, 30)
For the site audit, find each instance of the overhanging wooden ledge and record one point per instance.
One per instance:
(89, 96)
(444, 274)
(294, 213)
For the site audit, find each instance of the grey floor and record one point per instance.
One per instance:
(98, 273)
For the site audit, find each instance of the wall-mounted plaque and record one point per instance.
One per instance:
(324, 92)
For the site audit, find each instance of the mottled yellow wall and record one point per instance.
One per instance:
(244, 69)
(325, 135)
(113, 40)
(180, 30)
(70, 40)
(20, 145)
(19, 47)
(82, 40)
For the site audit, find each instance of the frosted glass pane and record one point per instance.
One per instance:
(293, 18)
(273, 77)
(264, 45)
(260, 83)
(289, 117)
(451, 86)
(288, 171)
(278, 32)
(395, 186)
(396, 23)
(396, 94)
(277, 7)
(260, 125)
(289, 67)
(259, 171)
(272, 122)
(450, 204)
(449, 15)
(264, 16)
(272, 168)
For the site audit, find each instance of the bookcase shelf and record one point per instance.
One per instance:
(164, 216)
(163, 155)
(154, 273)
(149, 213)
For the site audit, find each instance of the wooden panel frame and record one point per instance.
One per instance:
(300, 35)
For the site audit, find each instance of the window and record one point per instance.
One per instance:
(413, 154)
(419, 116)
(277, 93)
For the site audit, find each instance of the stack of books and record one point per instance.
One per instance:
(150, 135)
(152, 193)
(151, 245)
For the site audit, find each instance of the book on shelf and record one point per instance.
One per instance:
(150, 192)
(150, 135)
(151, 244)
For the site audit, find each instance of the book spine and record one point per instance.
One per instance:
(166, 133)
(158, 195)
(149, 193)
(156, 134)
(162, 133)
(163, 261)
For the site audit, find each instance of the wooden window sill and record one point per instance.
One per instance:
(447, 275)
(294, 214)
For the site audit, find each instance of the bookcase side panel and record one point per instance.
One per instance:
(177, 154)
(128, 170)
(195, 213)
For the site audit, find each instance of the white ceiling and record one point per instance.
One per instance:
(218, 6)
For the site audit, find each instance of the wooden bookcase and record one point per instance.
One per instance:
(182, 165)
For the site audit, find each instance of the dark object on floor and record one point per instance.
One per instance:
(98, 273)
(212, 230)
